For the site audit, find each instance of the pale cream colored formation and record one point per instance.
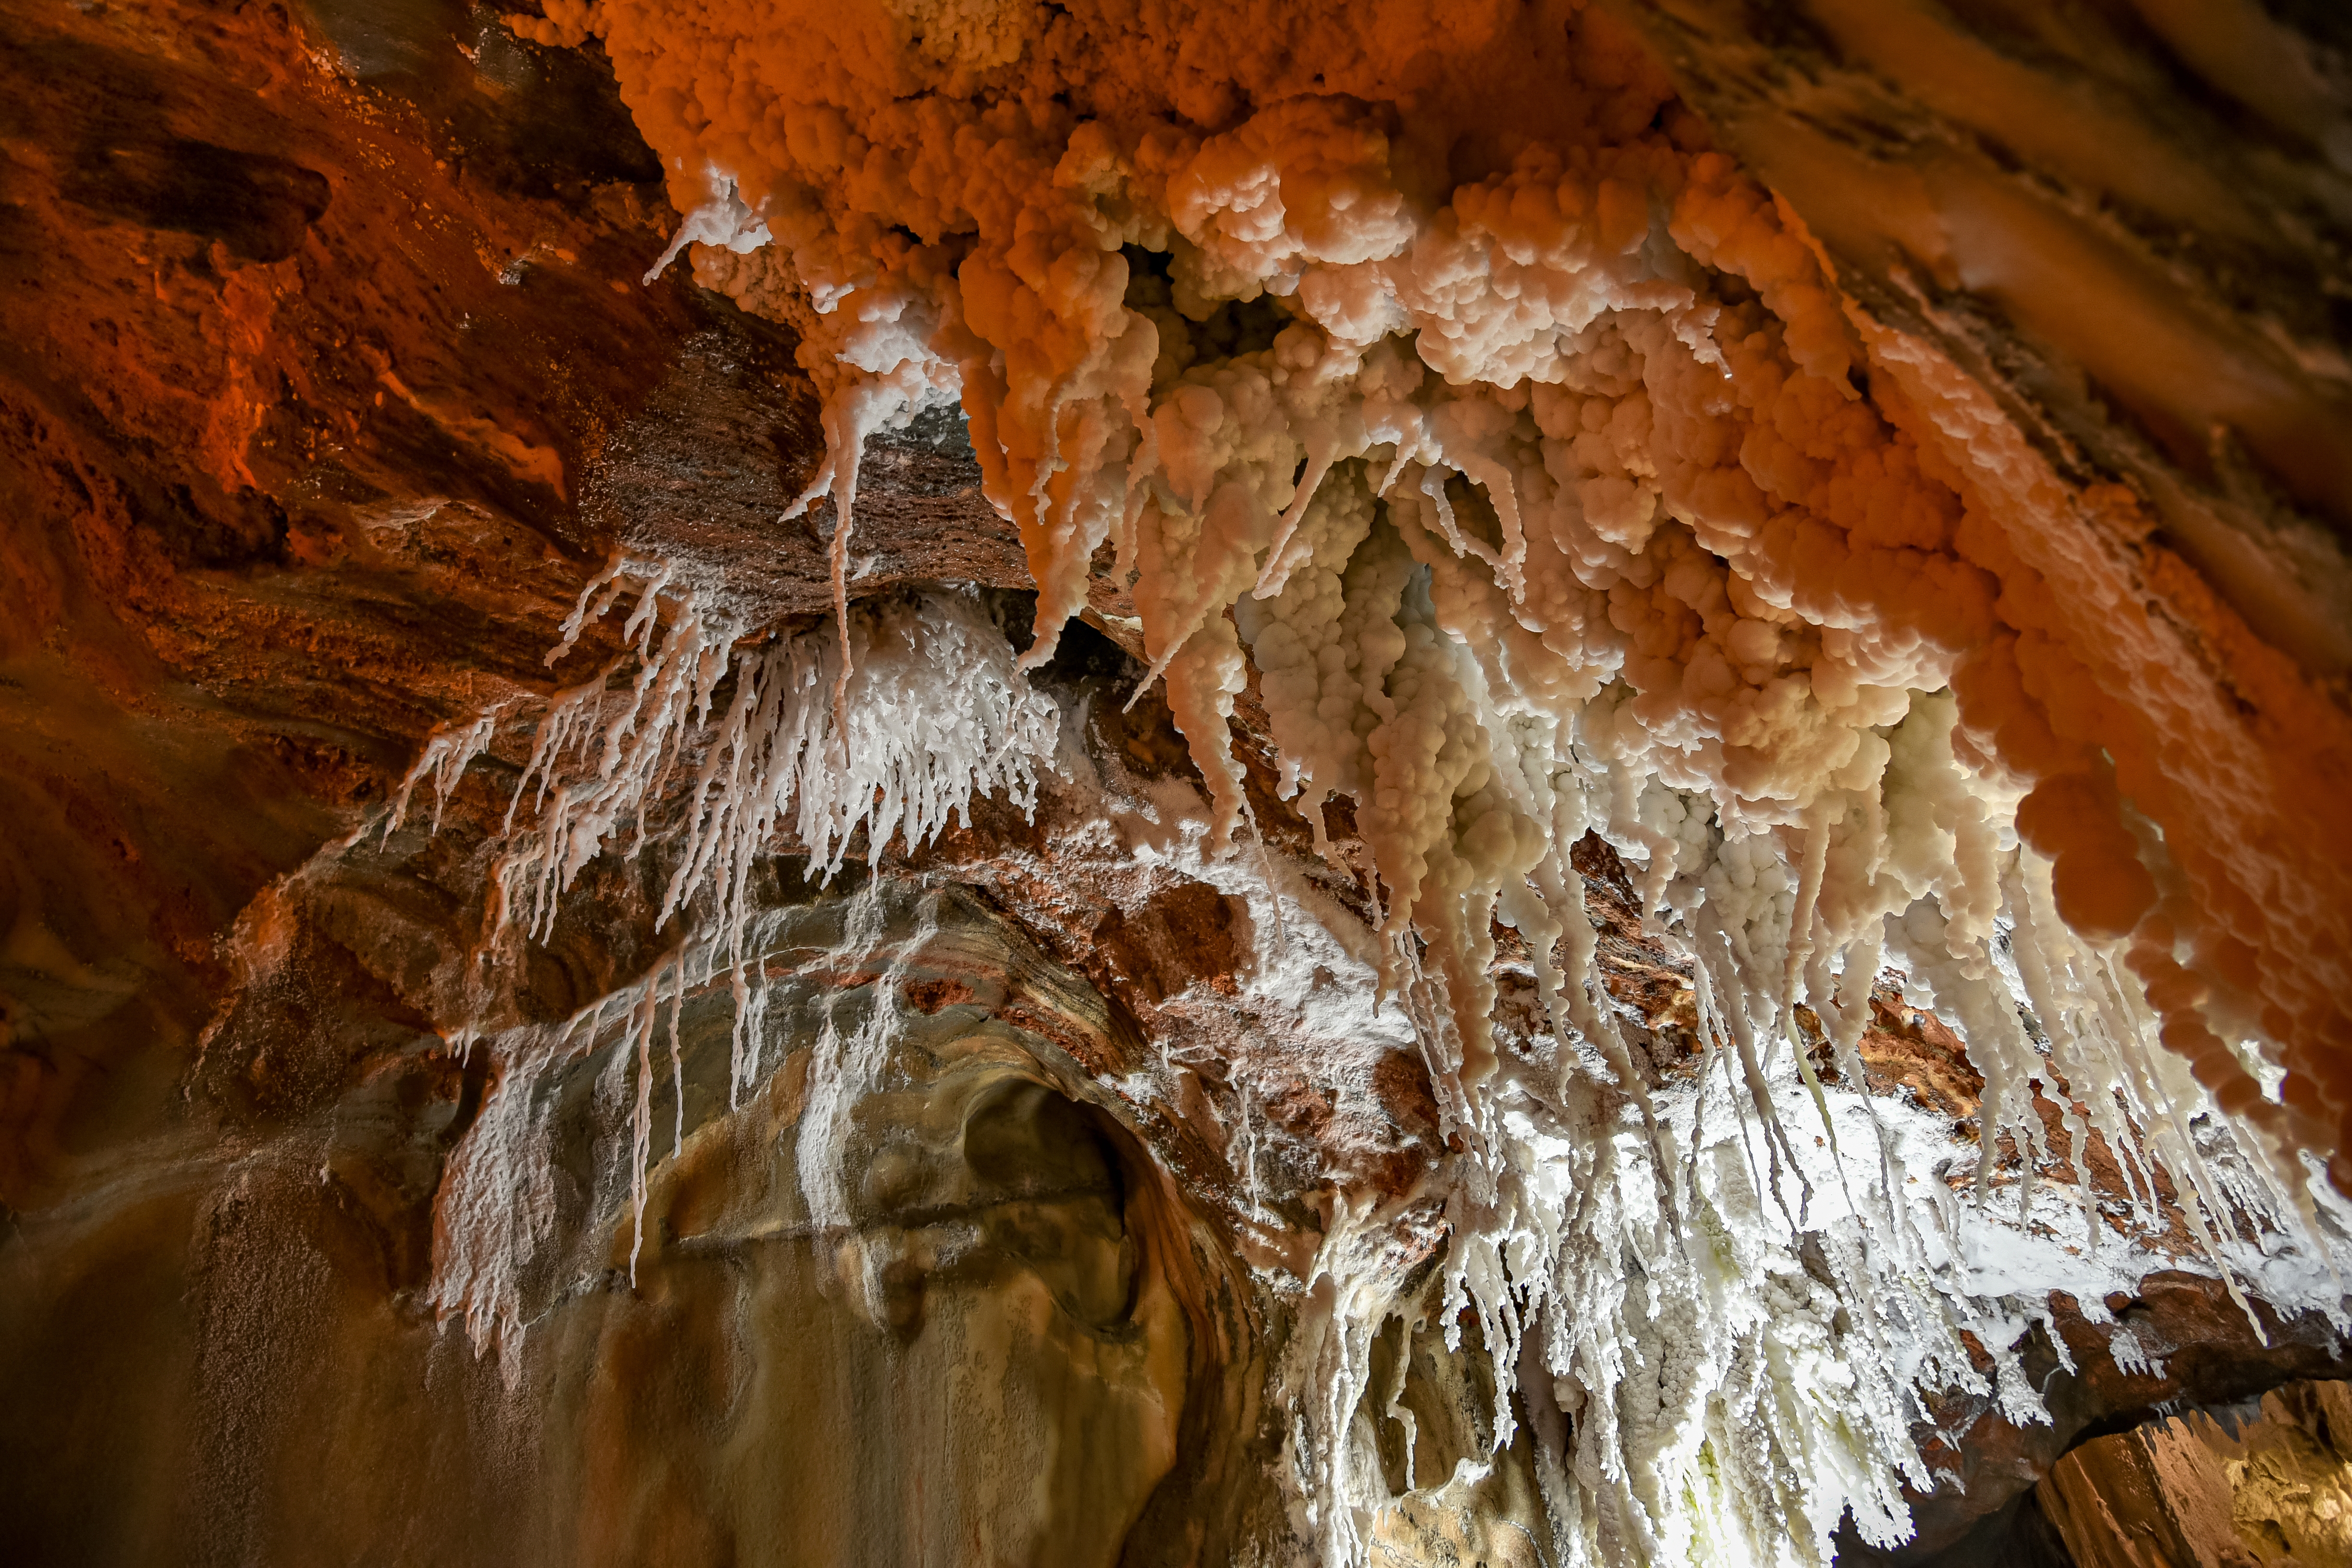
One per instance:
(1429, 357)
(1473, 245)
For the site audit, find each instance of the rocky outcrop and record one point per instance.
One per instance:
(2265, 1483)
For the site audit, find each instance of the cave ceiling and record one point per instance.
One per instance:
(934, 783)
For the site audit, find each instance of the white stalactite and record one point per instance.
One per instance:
(1563, 504)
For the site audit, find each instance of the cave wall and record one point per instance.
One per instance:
(329, 377)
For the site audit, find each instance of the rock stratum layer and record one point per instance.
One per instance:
(955, 784)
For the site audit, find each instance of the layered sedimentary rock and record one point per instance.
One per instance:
(1518, 784)
(2264, 1483)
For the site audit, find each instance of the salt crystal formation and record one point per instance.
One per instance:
(936, 713)
(1525, 449)
(1714, 1317)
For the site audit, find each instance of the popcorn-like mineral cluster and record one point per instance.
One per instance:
(1429, 360)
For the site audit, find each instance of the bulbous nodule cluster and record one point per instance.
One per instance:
(1526, 450)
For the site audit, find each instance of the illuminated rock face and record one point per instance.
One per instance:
(1655, 916)
(2266, 1483)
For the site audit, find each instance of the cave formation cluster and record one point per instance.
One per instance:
(1546, 550)
(1439, 368)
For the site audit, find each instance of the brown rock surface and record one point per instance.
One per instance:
(2202, 1350)
(2267, 1484)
